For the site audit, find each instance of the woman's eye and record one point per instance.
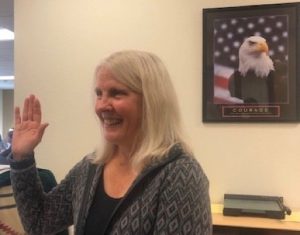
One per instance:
(98, 93)
(117, 93)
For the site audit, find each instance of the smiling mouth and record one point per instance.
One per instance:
(111, 122)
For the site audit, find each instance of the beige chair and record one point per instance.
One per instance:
(10, 223)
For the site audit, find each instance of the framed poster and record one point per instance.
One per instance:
(251, 65)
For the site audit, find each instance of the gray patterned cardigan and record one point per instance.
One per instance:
(169, 197)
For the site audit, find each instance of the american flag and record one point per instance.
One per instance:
(229, 34)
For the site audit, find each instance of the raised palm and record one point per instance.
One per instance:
(29, 130)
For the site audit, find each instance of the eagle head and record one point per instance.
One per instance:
(253, 55)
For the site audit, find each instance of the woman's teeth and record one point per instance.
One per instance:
(111, 122)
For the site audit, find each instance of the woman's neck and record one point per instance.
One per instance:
(118, 174)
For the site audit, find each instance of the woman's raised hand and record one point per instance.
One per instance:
(28, 130)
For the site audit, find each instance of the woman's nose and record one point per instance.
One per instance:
(104, 103)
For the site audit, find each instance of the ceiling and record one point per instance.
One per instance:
(6, 47)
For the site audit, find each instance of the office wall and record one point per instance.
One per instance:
(6, 111)
(58, 44)
(1, 113)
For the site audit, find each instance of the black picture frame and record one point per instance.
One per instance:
(227, 95)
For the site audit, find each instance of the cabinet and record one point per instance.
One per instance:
(225, 230)
(230, 225)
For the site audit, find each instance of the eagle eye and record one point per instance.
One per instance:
(251, 43)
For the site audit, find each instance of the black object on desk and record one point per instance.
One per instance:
(255, 205)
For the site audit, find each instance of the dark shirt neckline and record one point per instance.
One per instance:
(100, 211)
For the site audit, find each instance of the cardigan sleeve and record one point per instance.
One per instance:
(184, 203)
(40, 212)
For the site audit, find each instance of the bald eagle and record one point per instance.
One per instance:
(258, 79)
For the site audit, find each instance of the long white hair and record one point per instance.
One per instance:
(145, 74)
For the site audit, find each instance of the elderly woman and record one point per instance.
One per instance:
(144, 181)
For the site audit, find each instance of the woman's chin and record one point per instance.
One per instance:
(111, 139)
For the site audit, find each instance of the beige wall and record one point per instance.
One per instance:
(1, 113)
(58, 44)
(6, 111)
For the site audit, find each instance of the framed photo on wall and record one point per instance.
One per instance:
(251, 63)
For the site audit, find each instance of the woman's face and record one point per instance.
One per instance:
(118, 108)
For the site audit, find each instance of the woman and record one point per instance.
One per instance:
(144, 182)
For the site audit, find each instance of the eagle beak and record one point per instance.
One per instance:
(263, 47)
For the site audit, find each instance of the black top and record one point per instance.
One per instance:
(100, 211)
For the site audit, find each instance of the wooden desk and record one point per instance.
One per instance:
(232, 225)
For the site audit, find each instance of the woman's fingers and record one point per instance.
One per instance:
(30, 107)
(25, 109)
(37, 113)
(28, 127)
(42, 129)
(17, 116)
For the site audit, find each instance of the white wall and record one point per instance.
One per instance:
(8, 110)
(1, 114)
(59, 42)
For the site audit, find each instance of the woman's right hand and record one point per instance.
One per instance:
(28, 130)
